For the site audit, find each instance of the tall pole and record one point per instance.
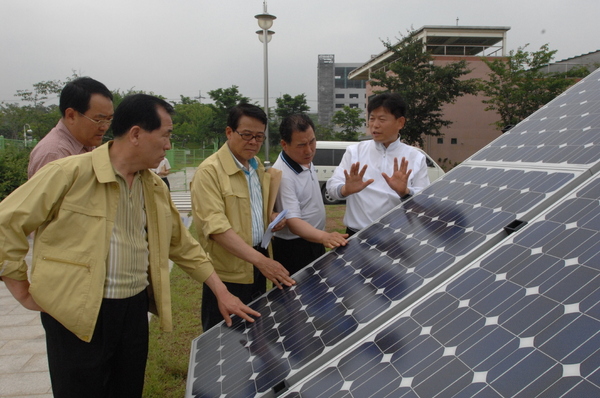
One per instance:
(266, 79)
(265, 21)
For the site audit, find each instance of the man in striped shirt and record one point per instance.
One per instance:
(106, 228)
(230, 191)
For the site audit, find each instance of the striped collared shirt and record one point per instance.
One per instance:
(256, 199)
(127, 262)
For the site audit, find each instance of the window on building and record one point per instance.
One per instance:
(453, 141)
(353, 105)
(342, 81)
(339, 106)
(353, 95)
(440, 140)
(339, 96)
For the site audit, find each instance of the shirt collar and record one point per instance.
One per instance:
(393, 145)
(292, 164)
(253, 163)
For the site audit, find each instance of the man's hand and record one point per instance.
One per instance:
(334, 239)
(270, 269)
(399, 179)
(354, 180)
(20, 291)
(275, 272)
(280, 225)
(228, 303)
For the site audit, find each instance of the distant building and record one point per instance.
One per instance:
(590, 60)
(335, 90)
(472, 127)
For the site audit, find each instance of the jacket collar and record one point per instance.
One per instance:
(101, 163)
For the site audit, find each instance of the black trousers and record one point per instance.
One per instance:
(112, 364)
(350, 231)
(247, 293)
(295, 254)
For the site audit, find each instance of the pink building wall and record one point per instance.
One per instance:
(472, 126)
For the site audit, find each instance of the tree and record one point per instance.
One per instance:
(350, 122)
(518, 85)
(324, 132)
(425, 87)
(224, 99)
(288, 105)
(192, 123)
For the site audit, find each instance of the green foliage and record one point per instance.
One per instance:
(224, 99)
(40, 119)
(288, 105)
(519, 85)
(350, 122)
(425, 87)
(191, 124)
(324, 133)
(13, 169)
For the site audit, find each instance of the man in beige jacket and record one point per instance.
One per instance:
(106, 227)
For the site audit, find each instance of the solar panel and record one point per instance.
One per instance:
(397, 262)
(523, 321)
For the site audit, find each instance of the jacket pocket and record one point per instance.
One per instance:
(61, 283)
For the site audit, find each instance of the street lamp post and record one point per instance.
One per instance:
(265, 21)
(25, 131)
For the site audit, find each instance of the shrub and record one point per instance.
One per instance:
(13, 169)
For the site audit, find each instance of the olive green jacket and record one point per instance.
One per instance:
(72, 203)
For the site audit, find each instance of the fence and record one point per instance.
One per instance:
(5, 143)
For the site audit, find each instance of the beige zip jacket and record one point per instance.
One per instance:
(72, 204)
(221, 201)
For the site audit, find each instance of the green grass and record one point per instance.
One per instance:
(166, 371)
(169, 355)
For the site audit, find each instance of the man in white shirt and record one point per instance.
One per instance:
(303, 239)
(163, 170)
(384, 180)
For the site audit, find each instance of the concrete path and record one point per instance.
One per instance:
(23, 363)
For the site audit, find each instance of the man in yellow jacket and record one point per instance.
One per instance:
(106, 228)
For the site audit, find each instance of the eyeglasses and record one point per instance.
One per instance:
(249, 136)
(102, 122)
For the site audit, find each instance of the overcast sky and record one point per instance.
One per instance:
(184, 47)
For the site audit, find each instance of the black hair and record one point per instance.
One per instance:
(393, 102)
(77, 93)
(139, 110)
(298, 122)
(249, 110)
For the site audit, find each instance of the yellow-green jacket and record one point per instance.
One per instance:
(72, 204)
(221, 201)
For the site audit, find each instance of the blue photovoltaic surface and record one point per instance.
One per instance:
(347, 293)
(566, 131)
(354, 284)
(522, 322)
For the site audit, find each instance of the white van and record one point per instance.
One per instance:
(329, 155)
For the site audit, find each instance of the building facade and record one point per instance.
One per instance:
(336, 90)
(472, 126)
